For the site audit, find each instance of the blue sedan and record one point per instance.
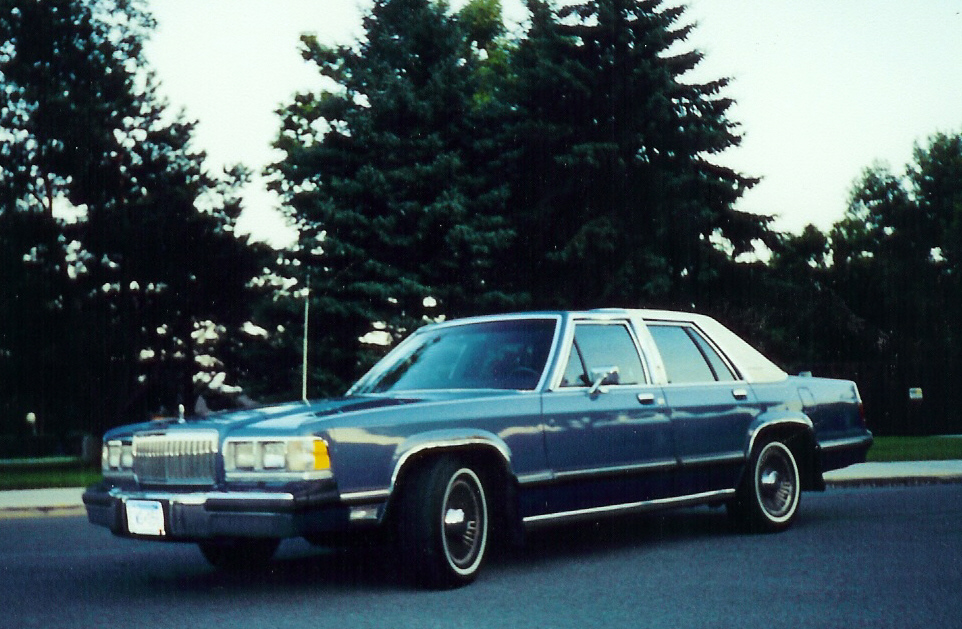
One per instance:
(510, 422)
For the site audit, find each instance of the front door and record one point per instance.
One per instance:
(607, 430)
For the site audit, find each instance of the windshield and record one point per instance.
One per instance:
(485, 355)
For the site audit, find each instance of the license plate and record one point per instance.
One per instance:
(145, 517)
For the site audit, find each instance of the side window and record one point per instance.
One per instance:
(718, 366)
(602, 345)
(688, 356)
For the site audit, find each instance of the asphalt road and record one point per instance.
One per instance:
(873, 557)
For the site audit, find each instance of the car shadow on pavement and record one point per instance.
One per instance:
(377, 567)
(298, 564)
(619, 534)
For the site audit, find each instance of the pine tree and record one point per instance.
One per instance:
(614, 194)
(62, 86)
(384, 174)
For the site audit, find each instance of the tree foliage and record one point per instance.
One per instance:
(613, 187)
(896, 260)
(450, 169)
(119, 243)
(386, 177)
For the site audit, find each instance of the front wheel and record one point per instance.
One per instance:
(768, 497)
(444, 526)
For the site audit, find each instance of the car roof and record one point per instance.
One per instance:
(753, 365)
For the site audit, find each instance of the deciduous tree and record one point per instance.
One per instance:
(121, 242)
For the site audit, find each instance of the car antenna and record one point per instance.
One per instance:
(307, 312)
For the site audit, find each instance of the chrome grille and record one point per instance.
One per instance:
(181, 458)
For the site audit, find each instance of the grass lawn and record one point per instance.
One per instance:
(915, 449)
(43, 473)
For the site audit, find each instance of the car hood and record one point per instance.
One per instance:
(294, 416)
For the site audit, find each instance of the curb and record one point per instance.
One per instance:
(11, 513)
(56, 501)
(905, 473)
(895, 481)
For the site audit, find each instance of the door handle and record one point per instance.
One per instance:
(646, 398)
(740, 394)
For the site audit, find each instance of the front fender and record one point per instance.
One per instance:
(437, 441)
(374, 500)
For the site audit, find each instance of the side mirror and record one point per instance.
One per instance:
(602, 376)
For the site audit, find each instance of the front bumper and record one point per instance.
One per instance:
(199, 515)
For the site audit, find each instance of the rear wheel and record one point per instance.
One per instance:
(767, 500)
(443, 525)
(239, 553)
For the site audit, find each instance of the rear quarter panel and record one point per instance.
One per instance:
(834, 407)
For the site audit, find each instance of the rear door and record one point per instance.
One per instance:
(711, 405)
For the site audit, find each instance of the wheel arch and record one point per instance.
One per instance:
(797, 432)
(487, 454)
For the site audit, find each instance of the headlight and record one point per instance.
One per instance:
(118, 456)
(244, 455)
(271, 458)
(275, 455)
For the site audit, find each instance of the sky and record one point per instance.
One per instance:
(823, 88)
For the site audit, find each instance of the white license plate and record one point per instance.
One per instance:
(145, 517)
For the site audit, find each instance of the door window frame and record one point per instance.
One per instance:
(569, 346)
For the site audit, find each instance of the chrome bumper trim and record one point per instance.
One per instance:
(198, 515)
(201, 498)
(359, 497)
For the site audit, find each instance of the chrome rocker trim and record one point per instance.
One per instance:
(536, 521)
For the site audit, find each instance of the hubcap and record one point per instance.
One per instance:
(464, 521)
(776, 482)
